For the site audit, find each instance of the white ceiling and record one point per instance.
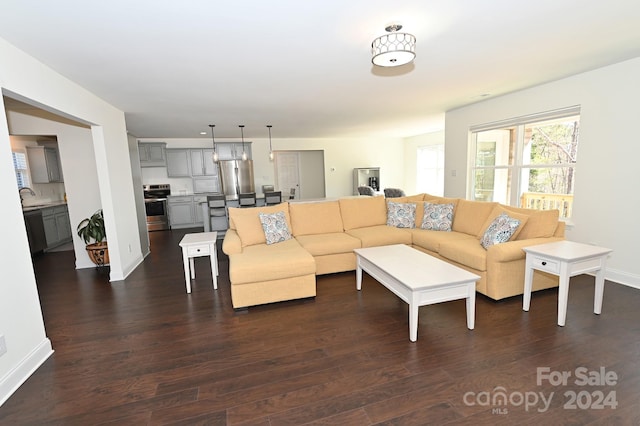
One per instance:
(304, 66)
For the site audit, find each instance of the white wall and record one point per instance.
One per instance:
(21, 322)
(139, 195)
(606, 200)
(341, 156)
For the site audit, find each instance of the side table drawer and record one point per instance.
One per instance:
(547, 265)
(199, 250)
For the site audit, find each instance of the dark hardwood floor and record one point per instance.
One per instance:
(142, 351)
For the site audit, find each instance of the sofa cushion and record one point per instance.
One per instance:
(467, 252)
(381, 235)
(262, 262)
(469, 216)
(361, 212)
(275, 227)
(234, 212)
(231, 243)
(497, 211)
(500, 230)
(431, 240)
(331, 243)
(418, 198)
(437, 217)
(541, 223)
(247, 222)
(401, 215)
(441, 200)
(315, 218)
(413, 199)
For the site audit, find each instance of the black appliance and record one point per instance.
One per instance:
(35, 231)
(373, 182)
(155, 204)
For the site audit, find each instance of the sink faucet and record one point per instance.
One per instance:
(28, 189)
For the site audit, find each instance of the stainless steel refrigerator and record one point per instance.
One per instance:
(236, 177)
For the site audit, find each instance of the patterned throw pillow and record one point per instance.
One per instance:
(401, 215)
(500, 230)
(275, 227)
(437, 217)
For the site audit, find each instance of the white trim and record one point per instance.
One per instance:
(129, 269)
(526, 119)
(17, 376)
(623, 278)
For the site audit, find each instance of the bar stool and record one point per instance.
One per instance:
(247, 199)
(271, 198)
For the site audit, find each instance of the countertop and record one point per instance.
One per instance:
(41, 206)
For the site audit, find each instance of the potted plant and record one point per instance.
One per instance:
(92, 229)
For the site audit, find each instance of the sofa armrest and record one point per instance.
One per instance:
(231, 243)
(512, 250)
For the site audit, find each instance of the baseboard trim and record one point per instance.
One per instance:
(125, 273)
(622, 277)
(16, 377)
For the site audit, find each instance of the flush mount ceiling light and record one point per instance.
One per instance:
(393, 49)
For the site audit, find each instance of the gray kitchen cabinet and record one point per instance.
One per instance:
(181, 214)
(198, 200)
(63, 224)
(204, 171)
(186, 211)
(233, 151)
(50, 227)
(57, 227)
(206, 184)
(44, 164)
(178, 162)
(202, 163)
(152, 154)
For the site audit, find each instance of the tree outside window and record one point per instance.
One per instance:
(532, 164)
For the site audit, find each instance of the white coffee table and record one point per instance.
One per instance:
(196, 245)
(418, 279)
(565, 259)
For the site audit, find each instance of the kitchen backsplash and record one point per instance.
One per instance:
(45, 193)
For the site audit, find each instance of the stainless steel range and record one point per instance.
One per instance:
(155, 203)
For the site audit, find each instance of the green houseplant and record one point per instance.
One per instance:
(92, 229)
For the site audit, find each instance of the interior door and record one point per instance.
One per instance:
(287, 166)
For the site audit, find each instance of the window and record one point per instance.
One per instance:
(20, 166)
(430, 169)
(528, 162)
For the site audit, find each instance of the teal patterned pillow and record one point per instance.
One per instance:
(500, 230)
(401, 215)
(275, 227)
(437, 217)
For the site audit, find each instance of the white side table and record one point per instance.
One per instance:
(565, 259)
(196, 245)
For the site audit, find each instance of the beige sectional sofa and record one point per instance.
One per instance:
(324, 234)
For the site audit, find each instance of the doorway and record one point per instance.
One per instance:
(301, 170)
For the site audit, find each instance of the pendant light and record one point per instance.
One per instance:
(214, 156)
(270, 148)
(244, 154)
